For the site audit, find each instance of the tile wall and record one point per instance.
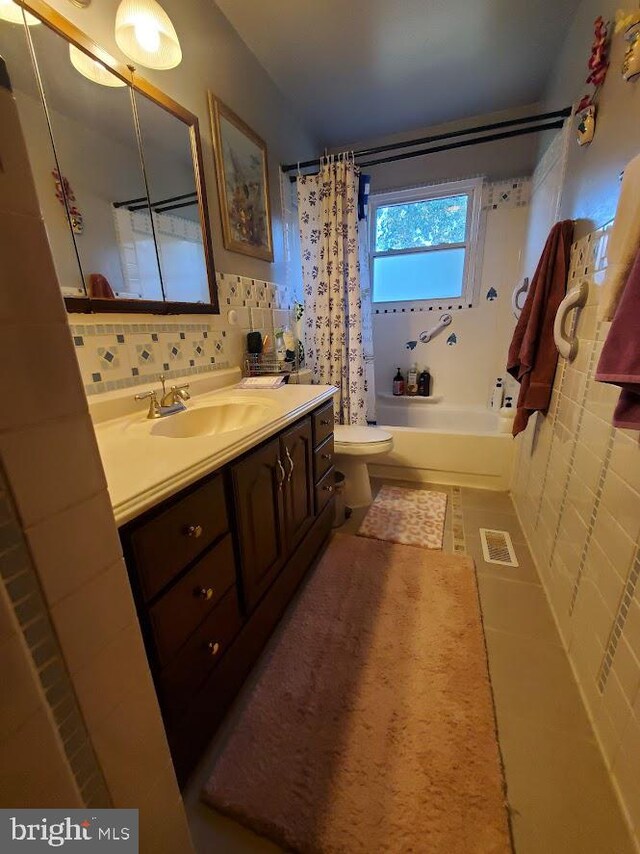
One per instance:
(66, 610)
(577, 492)
(116, 351)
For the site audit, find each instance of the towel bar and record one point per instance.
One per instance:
(518, 291)
(575, 298)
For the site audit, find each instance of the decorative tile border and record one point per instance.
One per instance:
(457, 522)
(243, 292)
(123, 355)
(619, 622)
(513, 193)
(592, 520)
(22, 586)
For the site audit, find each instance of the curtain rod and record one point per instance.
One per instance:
(394, 146)
(461, 144)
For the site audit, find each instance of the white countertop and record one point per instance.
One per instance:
(143, 468)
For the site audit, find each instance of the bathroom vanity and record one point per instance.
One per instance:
(213, 565)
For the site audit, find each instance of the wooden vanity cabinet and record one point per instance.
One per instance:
(213, 568)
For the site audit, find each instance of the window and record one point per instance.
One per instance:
(423, 242)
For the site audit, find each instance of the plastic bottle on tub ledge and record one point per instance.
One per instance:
(398, 384)
(507, 414)
(497, 396)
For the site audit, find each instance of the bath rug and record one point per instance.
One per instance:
(411, 517)
(369, 725)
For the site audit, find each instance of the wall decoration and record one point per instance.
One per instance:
(63, 190)
(492, 294)
(452, 339)
(598, 65)
(243, 183)
(586, 113)
(628, 22)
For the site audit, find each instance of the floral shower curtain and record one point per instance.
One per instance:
(328, 216)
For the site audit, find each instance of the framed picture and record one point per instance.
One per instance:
(243, 183)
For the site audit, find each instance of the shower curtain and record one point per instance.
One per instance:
(328, 216)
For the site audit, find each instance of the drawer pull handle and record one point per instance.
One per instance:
(194, 531)
(213, 648)
(325, 422)
(282, 477)
(291, 464)
(328, 488)
(326, 456)
(205, 593)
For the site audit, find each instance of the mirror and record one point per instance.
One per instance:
(173, 197)
(118, 170)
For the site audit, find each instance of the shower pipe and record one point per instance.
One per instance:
(560, 115)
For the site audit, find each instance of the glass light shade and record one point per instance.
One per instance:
(145, 34)
(10, 11)
(91, 69)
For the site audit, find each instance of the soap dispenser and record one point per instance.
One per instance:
(398, 384)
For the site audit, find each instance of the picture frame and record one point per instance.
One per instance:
(243, 183)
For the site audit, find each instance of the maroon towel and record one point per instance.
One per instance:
(99, 287)
(533, 356)
(620, 358)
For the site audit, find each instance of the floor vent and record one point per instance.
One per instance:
(497, 547)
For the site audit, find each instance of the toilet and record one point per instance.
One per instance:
(354, 447)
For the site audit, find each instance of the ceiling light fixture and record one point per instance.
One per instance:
(145, 34)
(92, 69)
(10, 11)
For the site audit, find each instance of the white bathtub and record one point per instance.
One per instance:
(443, 444)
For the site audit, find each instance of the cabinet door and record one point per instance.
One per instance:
(296, 448)
(258, 484)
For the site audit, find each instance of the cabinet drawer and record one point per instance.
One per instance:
(323, 458)
(324, 490)
(180, 680)
(176, 614)
(322, 423)
(168, 542)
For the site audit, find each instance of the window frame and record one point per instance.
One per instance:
(472, 188)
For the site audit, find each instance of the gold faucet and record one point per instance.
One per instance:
(172, 401)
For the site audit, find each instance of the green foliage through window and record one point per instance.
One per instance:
(412, 225)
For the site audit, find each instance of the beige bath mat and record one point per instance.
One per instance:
(369, 726)
(411, 517)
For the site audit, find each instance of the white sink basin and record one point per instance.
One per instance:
(211, 420)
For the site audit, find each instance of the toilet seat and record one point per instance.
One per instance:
(353, 440)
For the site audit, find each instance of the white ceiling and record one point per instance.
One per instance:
(359, 69)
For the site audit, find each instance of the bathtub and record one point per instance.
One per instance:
(433, 442)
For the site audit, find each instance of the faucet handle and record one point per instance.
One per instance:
(154, 406)
(180, 391)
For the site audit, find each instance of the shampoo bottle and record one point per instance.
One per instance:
(424, 383)
(412, 380)
(398, 384)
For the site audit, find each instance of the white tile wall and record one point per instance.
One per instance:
(577, 491)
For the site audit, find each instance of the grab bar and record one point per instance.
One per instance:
(444, 321)
(575, 298)
(520, 289)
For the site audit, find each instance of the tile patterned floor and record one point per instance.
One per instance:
(560, 795)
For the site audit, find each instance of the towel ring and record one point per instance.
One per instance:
(575, 298)
(518, 291)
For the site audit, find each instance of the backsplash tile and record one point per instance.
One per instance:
(126, 353)
(120, 355)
